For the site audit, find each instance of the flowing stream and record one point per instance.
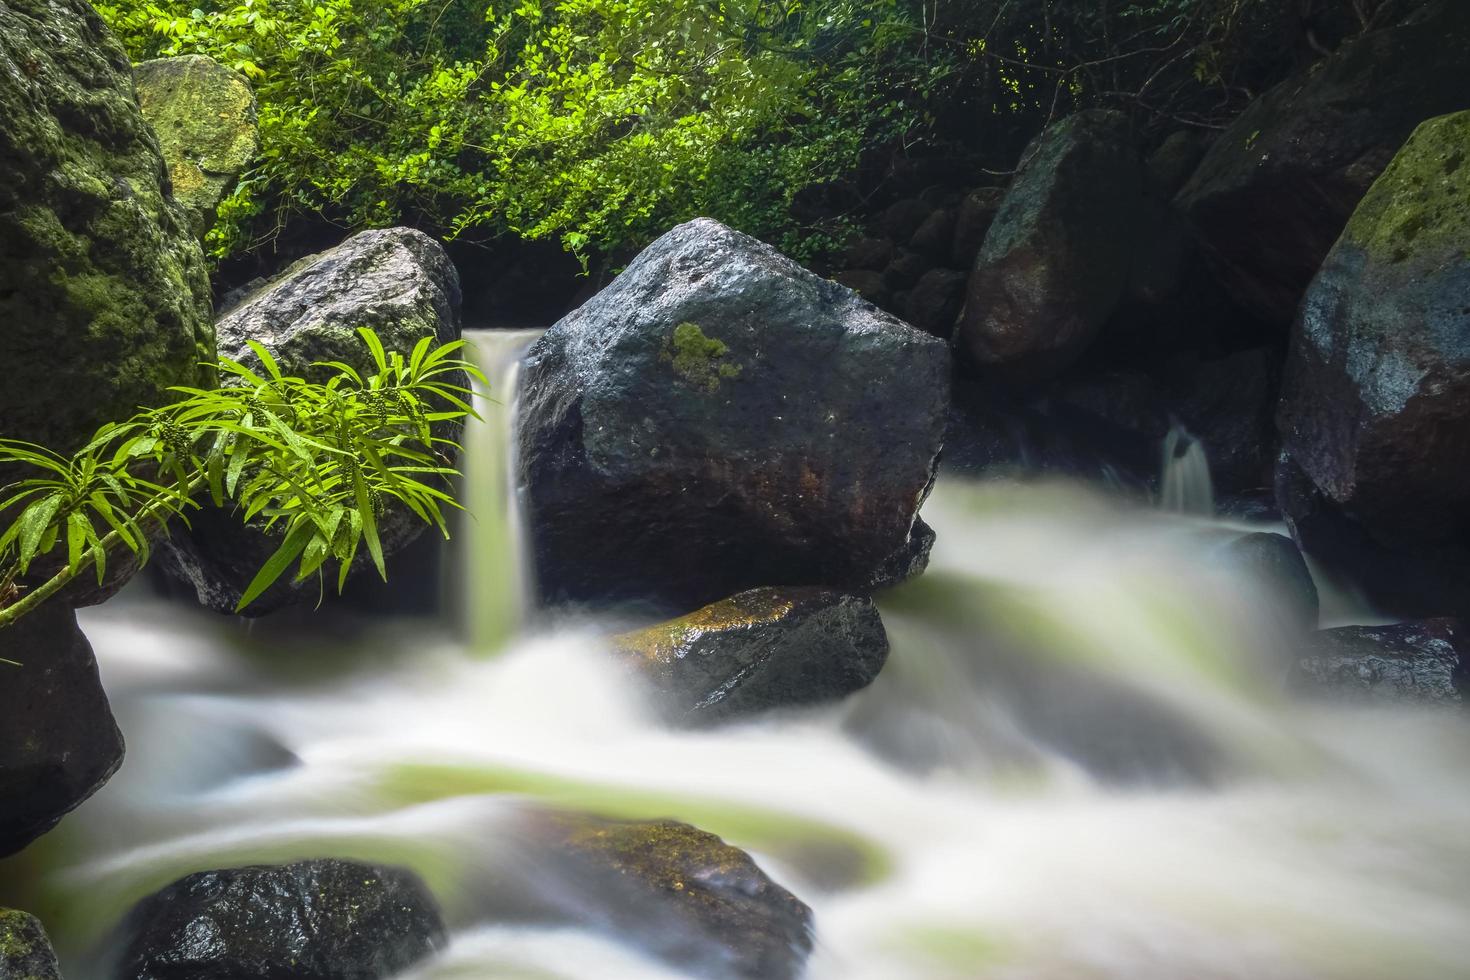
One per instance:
(1079, 762)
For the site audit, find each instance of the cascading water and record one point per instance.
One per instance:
(1185, 483)
(1079, 762)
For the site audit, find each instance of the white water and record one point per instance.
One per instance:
(1186, 486)
(1078, 763)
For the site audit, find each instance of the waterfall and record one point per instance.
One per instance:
(1185, 483)
(492, 582)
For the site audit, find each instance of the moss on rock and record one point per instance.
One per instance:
(25, 952)
(1421, 204)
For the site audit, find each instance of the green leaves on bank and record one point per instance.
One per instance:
(314, 462)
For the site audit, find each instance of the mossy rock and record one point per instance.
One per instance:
(25, 951)
(104, 291)
(205, 118)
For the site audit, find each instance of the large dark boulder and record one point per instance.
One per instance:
(719, 419)
(1375, 406)
(762, 649)
(58, 741)
(397, 281)
(104, 292)
(1422, 662)
(204, 115)
(678, 891)
(312, 920)
(1057, 257)
(1277, 187)
(25, 950)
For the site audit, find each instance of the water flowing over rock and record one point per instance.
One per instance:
(1277, 187)
(676, 890)
(762, 649)
(25, 951)
(312, 920)
(58, 741)
(104, 293)
(1274, 562)
(719, 419)
(204, 115)
(1375, 407)
(1415, 662)
(397, 281)
(1057, 257)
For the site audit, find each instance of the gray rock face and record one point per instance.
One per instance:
(719, 419)
(1057, 257)
(1375, 406)
(25, 951)
(204, 115)
(1277, 187)
(399, 282)
(1410, 662)
(678, 891)
(58, 741)
(104, 293)
(313, 920)
(762, 649)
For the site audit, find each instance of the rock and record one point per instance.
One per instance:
(868, 285)
(312, 920)
(1375, 406)
(1276, 566)
(935, 301)
(58, 741)
(870, 254)
(678, 891)
(1056, 260)
(902, 218)
(719, 419)
(935, 237)
(25, 950)
(762, 649)
(905, 270)
(1277, 187)
(1170, 166)
(397, 281)
(204, 115)
(104, 291)
(1410, 662)
(972, 223)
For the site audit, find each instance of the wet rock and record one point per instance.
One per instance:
(397, 281)
(58, 740)
(1275, 564)
(1375, 406)
(1057, 258)
(973, 219)
(312, 920)
(1409, 662)
(762, 649)
(204, 115)
(678, 891)
(720, 419)
(25, 950)
(1277, 187)
(934, 303)
(104, 291)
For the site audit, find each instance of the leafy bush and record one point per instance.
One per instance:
(598, 122)
(313, 462)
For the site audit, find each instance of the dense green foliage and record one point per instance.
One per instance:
(313, 462)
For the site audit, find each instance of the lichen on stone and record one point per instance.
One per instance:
(697, 359)
(1420, 206)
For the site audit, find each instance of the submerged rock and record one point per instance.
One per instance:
(397, 281)
(104, 292)
(58, 740)
(1057, 257)
(1375, 406)
(719, 419)
(204, 115)
(312, 920)
(678, 891)
(1277, 187)
(1275, 564)
(25, 950)
(762, 649)
(1409, 662)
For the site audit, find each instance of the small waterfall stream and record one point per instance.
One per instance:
(1079, 763)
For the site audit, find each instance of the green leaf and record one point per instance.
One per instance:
(275, 566)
